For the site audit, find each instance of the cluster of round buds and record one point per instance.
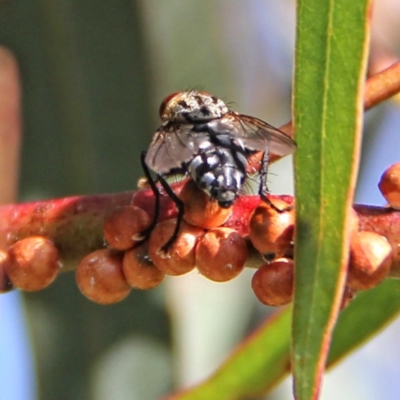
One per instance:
(218, 252)
(106, 276)
(30, 264)
(271, 231)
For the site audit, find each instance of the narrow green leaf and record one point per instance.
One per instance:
(370, 312)
(330, 67)
(262, 361)
(257, 364)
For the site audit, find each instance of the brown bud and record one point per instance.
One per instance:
(180, 258)
(221, 254)
(122, 227)
(33, 263)
(139, 270)
(272, 283)
(389, 185)
(370, 260)
(100, 278)
(271, 231)
(5, 283)
(200, 209)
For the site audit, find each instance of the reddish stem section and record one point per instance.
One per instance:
(75, 224)
(378, 87)
(382, 86)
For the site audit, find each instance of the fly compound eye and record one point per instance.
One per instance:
(165, 103)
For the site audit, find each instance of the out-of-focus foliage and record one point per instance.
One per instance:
(86, 89)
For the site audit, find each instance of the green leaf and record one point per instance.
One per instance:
(370, 312)
(258, 363)
(330, 68)
(262, 361)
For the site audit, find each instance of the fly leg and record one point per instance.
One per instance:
(144, 235)
(181, 209)
(178, 203)
(263, 189)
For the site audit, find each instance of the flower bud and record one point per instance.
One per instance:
(273, 282)
(180, 257)
(370, 260)
(200, 209)
(33, 263)
(221, 254)
(139, 270)
(100, 278)
(122, 227)
(271, 231)
(389, 185)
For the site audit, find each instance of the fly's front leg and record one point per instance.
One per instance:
(144, 235)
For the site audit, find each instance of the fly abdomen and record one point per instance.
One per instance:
(220, 172)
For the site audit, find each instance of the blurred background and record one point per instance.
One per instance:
(91, 77)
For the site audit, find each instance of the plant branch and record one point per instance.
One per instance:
(75, 224)
(378, 87)
(382, 86)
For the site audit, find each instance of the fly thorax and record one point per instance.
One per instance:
(220, 172)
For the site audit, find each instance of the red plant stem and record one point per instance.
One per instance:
(378, 87)
(382, 86)
(75, 224)
(10, 126)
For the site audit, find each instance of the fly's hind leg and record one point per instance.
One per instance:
(263, 189)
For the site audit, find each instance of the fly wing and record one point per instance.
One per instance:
(255, 134)
(172, 145)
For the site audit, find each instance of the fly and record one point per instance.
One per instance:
(202, 138)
